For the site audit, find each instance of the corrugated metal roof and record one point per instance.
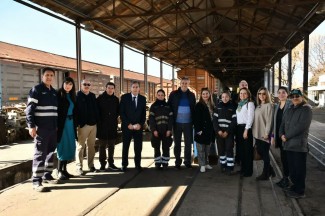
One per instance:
(246, 35)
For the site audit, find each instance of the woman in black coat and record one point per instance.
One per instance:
(108, 107)
(204, 133)
(66, 133)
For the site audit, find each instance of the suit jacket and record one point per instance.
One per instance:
(128, 114)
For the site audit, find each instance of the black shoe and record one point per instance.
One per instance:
(124, 169)
(62, 176)
(102, 168)
(178, 167)
(93, 169)
(272, 172)
(283, 183)
(113, 167)
(139, 168)
(189, 166)
(38, 187)
(68, 174)
(165, 167)
(295, 195)
(287, 189)
(50, 180)
(231, 172)
(223, 169)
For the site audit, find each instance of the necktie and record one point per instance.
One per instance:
(134, 103)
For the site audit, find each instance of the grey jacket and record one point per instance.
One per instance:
(295, 126)
(276, 107)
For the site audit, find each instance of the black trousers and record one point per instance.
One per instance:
(110, 145)
(263, 149)
(165, 143)
(245, 148)
(297, 170)
(284, 161)
(226, 151)
(137, 139)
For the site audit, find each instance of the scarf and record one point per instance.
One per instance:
(241, 104)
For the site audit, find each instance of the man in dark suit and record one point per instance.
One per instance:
(133, 116)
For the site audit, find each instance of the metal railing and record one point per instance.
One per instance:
(317, 148)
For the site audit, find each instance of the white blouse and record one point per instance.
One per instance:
(246, 115)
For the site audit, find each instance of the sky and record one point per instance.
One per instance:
(27, 27)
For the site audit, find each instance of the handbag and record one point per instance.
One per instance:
(257, 156)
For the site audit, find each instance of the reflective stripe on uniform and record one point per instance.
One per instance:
(32, 100)
(46, 114)
(224, 120)
(46, 108)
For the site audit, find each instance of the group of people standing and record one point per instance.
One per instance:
(56, 119)
(256, 123)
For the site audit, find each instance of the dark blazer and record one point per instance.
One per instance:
(63, 106)
(203, 122)
(174, 98)
(108, 108)
(128, 114)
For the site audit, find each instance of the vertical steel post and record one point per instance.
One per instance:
(146, 74)
(306, 60)
(273, 78)
(161, 75)
(290, 69)
(173, 77)
(78, 54)
(280, 73)
(121, 67)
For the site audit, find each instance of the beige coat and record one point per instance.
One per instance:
(263, 121)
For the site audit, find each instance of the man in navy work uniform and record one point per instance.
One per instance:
(133, 116)
(41, 116)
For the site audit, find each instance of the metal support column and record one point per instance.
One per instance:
(161, 75)
(265, 78)
(146, 74)
(280, 73)
(269, 79)
(306, 60)
(121, 67)
(173, 77)
(290, 69)
(78, 55)
(273, 78)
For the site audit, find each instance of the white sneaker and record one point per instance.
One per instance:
(202, 169)
(208, 167)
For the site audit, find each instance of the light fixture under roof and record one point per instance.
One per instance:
(283, 49)
(321, 9)
(89, 26)
(217, 60)
(223, 70)
(206, 41)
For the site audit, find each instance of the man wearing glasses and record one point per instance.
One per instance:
(294, 135)
(87, 117)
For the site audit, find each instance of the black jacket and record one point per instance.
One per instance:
(160, 117)
(63, 107)
(174, 98)
(128, 114)
(203, 122)
(86, 109)
(108, 108)
(224, 117)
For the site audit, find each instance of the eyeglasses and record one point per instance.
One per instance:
(261, 93)
(295, 96)
(86, 84)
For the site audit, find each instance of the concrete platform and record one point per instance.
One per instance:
(153, 192)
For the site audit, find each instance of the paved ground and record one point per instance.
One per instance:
(170, 192)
